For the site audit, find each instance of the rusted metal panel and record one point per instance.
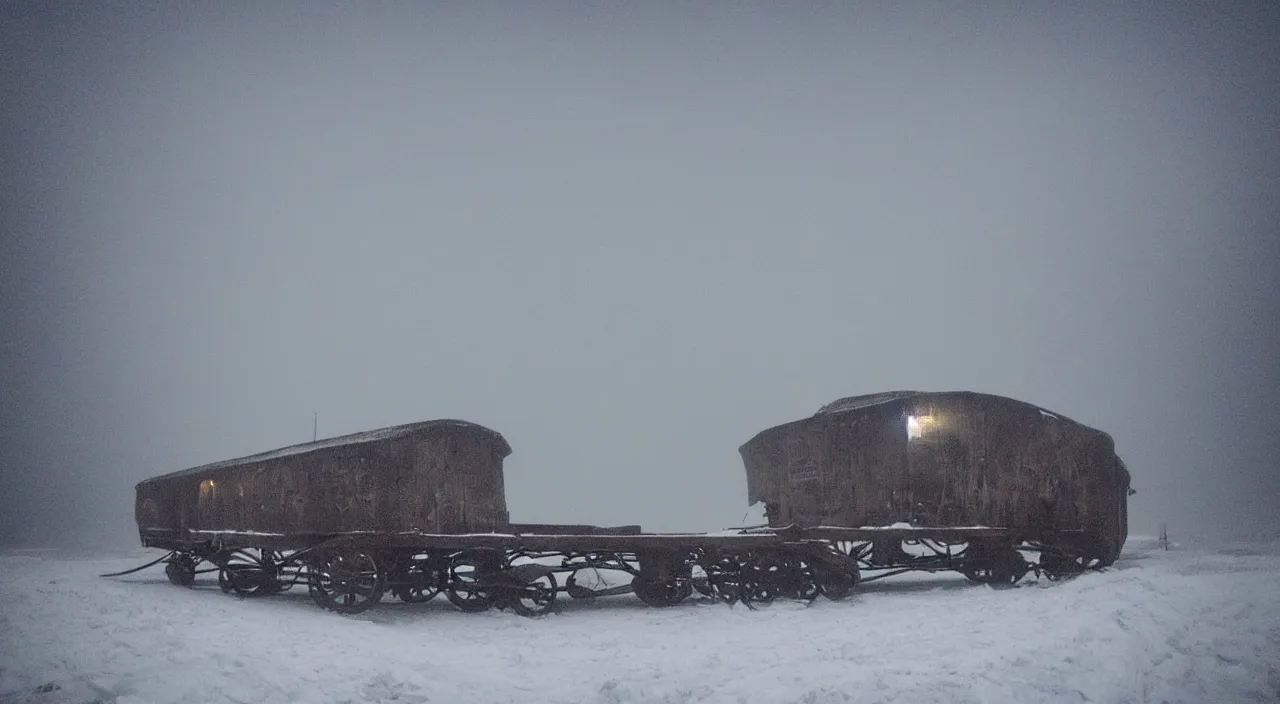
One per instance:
(443, 476)
(943, 459)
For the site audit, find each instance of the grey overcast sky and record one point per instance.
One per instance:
(629, 237)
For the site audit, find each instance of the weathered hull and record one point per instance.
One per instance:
(437, 476)
(944, 459)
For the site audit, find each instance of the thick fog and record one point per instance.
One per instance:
(629, 237)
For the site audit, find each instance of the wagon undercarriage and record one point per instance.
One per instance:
(528, 572)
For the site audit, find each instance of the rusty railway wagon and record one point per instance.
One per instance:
(949, 459)
(867, 488)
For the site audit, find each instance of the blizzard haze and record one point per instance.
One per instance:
(629, 238)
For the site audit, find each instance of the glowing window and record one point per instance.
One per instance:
(920, 426)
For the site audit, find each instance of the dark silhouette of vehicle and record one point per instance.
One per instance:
(869, 487)
(947, 459)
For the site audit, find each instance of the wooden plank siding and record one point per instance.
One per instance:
(439, 476)
(979, 460)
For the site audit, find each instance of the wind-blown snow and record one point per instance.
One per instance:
(1160, 626)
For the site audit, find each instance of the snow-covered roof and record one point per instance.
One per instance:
(360, 438)
(850, 403)
(853, 403)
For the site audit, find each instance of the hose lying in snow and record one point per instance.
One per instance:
(138, 569)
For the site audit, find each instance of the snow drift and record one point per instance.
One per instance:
(1185, 625)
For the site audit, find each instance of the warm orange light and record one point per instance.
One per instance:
(916, 425)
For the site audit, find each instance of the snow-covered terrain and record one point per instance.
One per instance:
(1184, 625)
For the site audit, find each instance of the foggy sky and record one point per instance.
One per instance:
(629, 237)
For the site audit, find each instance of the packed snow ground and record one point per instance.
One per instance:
(1184, 625)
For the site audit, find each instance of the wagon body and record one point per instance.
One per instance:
(944, 459)
(440, 476)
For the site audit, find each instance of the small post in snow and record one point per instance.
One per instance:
(315, 424)
(1164, 537)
